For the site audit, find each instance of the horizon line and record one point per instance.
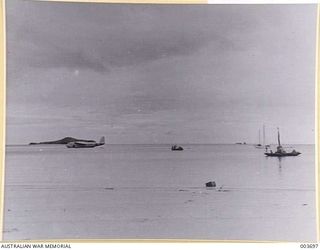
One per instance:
(249, 144)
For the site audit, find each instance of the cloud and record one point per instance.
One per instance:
(190, 72)
(103, 36)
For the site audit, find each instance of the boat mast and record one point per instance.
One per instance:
(279, 137)
(264, 136)
(259, 138)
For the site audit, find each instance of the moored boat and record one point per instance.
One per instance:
(259, 145)
(263, 145)
(276, 154)
(280, 151)
(176, 148)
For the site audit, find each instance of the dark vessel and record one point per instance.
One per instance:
(280, 151)
(277, 154)
(82, 144)
(263, 145)
(176, 148)
(211, 184)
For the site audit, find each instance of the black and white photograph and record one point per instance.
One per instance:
(160, 121)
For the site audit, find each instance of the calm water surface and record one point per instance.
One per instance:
(148, 191)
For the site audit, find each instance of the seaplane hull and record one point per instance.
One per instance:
(81, 144)
(75, 145)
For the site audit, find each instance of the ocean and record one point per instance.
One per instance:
(151, 192)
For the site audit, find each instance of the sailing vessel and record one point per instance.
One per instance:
(259, 144)
(280, 151)
(263, 145)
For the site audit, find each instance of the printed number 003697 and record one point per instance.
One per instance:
(308, 245)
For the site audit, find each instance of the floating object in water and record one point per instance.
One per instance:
(211, 184)
(280, 151)
(176, 148)
(241, 143)
(282, 154)
(263, 145)
(86, 144)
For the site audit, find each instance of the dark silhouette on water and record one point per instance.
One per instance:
(263, 145)
(65, 140)
(82, 144)
(280, 151)
(71, 142)
(211, 184)
(176, 148)
(259, 145)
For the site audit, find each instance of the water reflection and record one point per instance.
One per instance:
(279, 164)
(274, 161)
(279, 161)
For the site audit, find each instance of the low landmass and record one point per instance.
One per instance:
(65, 140)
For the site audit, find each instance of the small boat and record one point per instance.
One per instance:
(280, 151)
(277, 154)
(176, 148)
(259, 145)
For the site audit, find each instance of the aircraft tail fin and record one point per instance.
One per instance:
(102, 140)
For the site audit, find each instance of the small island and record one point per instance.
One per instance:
(65, 140)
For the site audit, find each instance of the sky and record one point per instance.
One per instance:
(160, 73)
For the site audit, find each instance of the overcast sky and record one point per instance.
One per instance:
(160, 73)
